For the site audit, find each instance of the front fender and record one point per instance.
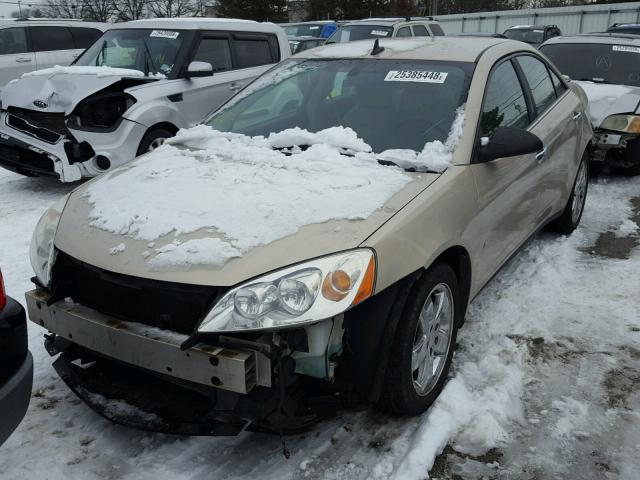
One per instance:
(157, 111)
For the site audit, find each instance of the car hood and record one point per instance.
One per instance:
(230, 221)
(60, 89)
(606, 99)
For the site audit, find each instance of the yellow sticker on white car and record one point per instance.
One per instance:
(424, 76)
(625, 48)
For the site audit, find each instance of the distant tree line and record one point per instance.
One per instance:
(276, 10)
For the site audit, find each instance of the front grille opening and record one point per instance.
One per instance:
(47, 126)
(38, 132)
(167, 305)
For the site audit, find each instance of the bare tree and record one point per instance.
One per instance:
(99, 10)
(63, 8)
(172, 8)
(130, 9)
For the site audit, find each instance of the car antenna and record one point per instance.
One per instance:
(377, 48)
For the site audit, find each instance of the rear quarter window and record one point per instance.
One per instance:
(436, 30)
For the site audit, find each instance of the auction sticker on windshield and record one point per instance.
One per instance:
(424, 76)
(379, 33)
(624, 48)
(164, 34)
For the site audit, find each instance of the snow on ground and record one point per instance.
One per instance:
(545, 381)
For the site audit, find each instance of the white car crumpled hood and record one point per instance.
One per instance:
(607, 99)
(56, 92)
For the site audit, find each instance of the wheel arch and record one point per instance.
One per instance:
(370, 326)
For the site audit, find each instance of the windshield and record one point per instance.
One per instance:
(390, 104)
(304, 30)
(596, 62)
(349, 33)
(525, 35)
(149, 51)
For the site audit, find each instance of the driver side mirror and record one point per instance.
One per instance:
(199, 69)
(508, 142)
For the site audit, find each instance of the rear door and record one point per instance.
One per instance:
(508, 203)
(53, 45)
(557, 123)
(15, 55)
(237, 58)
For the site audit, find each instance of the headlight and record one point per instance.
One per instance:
(302, 294)
(41, 252)
(622, 123)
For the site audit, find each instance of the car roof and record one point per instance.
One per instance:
(311, 22)
(525, 27)
(26, 22)
(202, 23)
(390, 21)
(306, 38)
(605, 38)
(456, 49)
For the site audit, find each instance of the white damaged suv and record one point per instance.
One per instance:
(135, 86)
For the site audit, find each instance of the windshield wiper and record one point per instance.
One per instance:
(389, 163)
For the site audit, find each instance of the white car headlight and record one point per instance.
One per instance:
(302, 294)
(41, 252)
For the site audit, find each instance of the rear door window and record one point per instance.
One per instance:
(253, 50)
(537, 75)
(420, 31)
(504, 101)
(13, 40)
(404, 32)
(215, 51)
(84, 37)
(436, 30)
(49, 39)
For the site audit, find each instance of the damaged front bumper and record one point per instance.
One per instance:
(33, 150)
(609, 146)
(139, 376)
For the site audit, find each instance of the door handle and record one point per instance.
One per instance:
(577, 115)
(541, 155)
(234, 87)
(23, 60)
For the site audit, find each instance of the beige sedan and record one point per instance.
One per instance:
(318, 240)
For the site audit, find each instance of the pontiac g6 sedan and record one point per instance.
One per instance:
(316, 242)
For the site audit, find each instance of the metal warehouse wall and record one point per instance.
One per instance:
(571, 20)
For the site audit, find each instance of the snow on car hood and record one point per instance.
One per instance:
(217, 208)
(606, 99)
(60, 89)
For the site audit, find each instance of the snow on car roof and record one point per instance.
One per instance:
(462, 49)
(605, 37)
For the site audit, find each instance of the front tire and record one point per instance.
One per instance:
(425, 338)
(572, 213)
(153, 139)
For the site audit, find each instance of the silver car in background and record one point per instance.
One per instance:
(135, 86)
(33, 43)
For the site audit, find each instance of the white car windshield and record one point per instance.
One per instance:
(390, 104)
(150, 51)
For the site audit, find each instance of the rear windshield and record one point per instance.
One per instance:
(526, 35)
(391, 104)
(305, 30)
(349, 33)
(604, 63)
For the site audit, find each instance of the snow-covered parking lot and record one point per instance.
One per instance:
(545, 381)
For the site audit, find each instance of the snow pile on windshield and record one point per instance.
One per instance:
(240, 191)
(100, 71)
(435, 156)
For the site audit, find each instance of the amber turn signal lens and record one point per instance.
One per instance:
(336, 285)
(366, 287)
(634, 125)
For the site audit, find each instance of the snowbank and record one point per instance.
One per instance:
(78, 70)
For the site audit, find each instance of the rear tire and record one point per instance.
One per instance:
(153, 139)
(572, 213)
(424, 342)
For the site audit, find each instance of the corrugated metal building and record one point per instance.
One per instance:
(571, 20)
